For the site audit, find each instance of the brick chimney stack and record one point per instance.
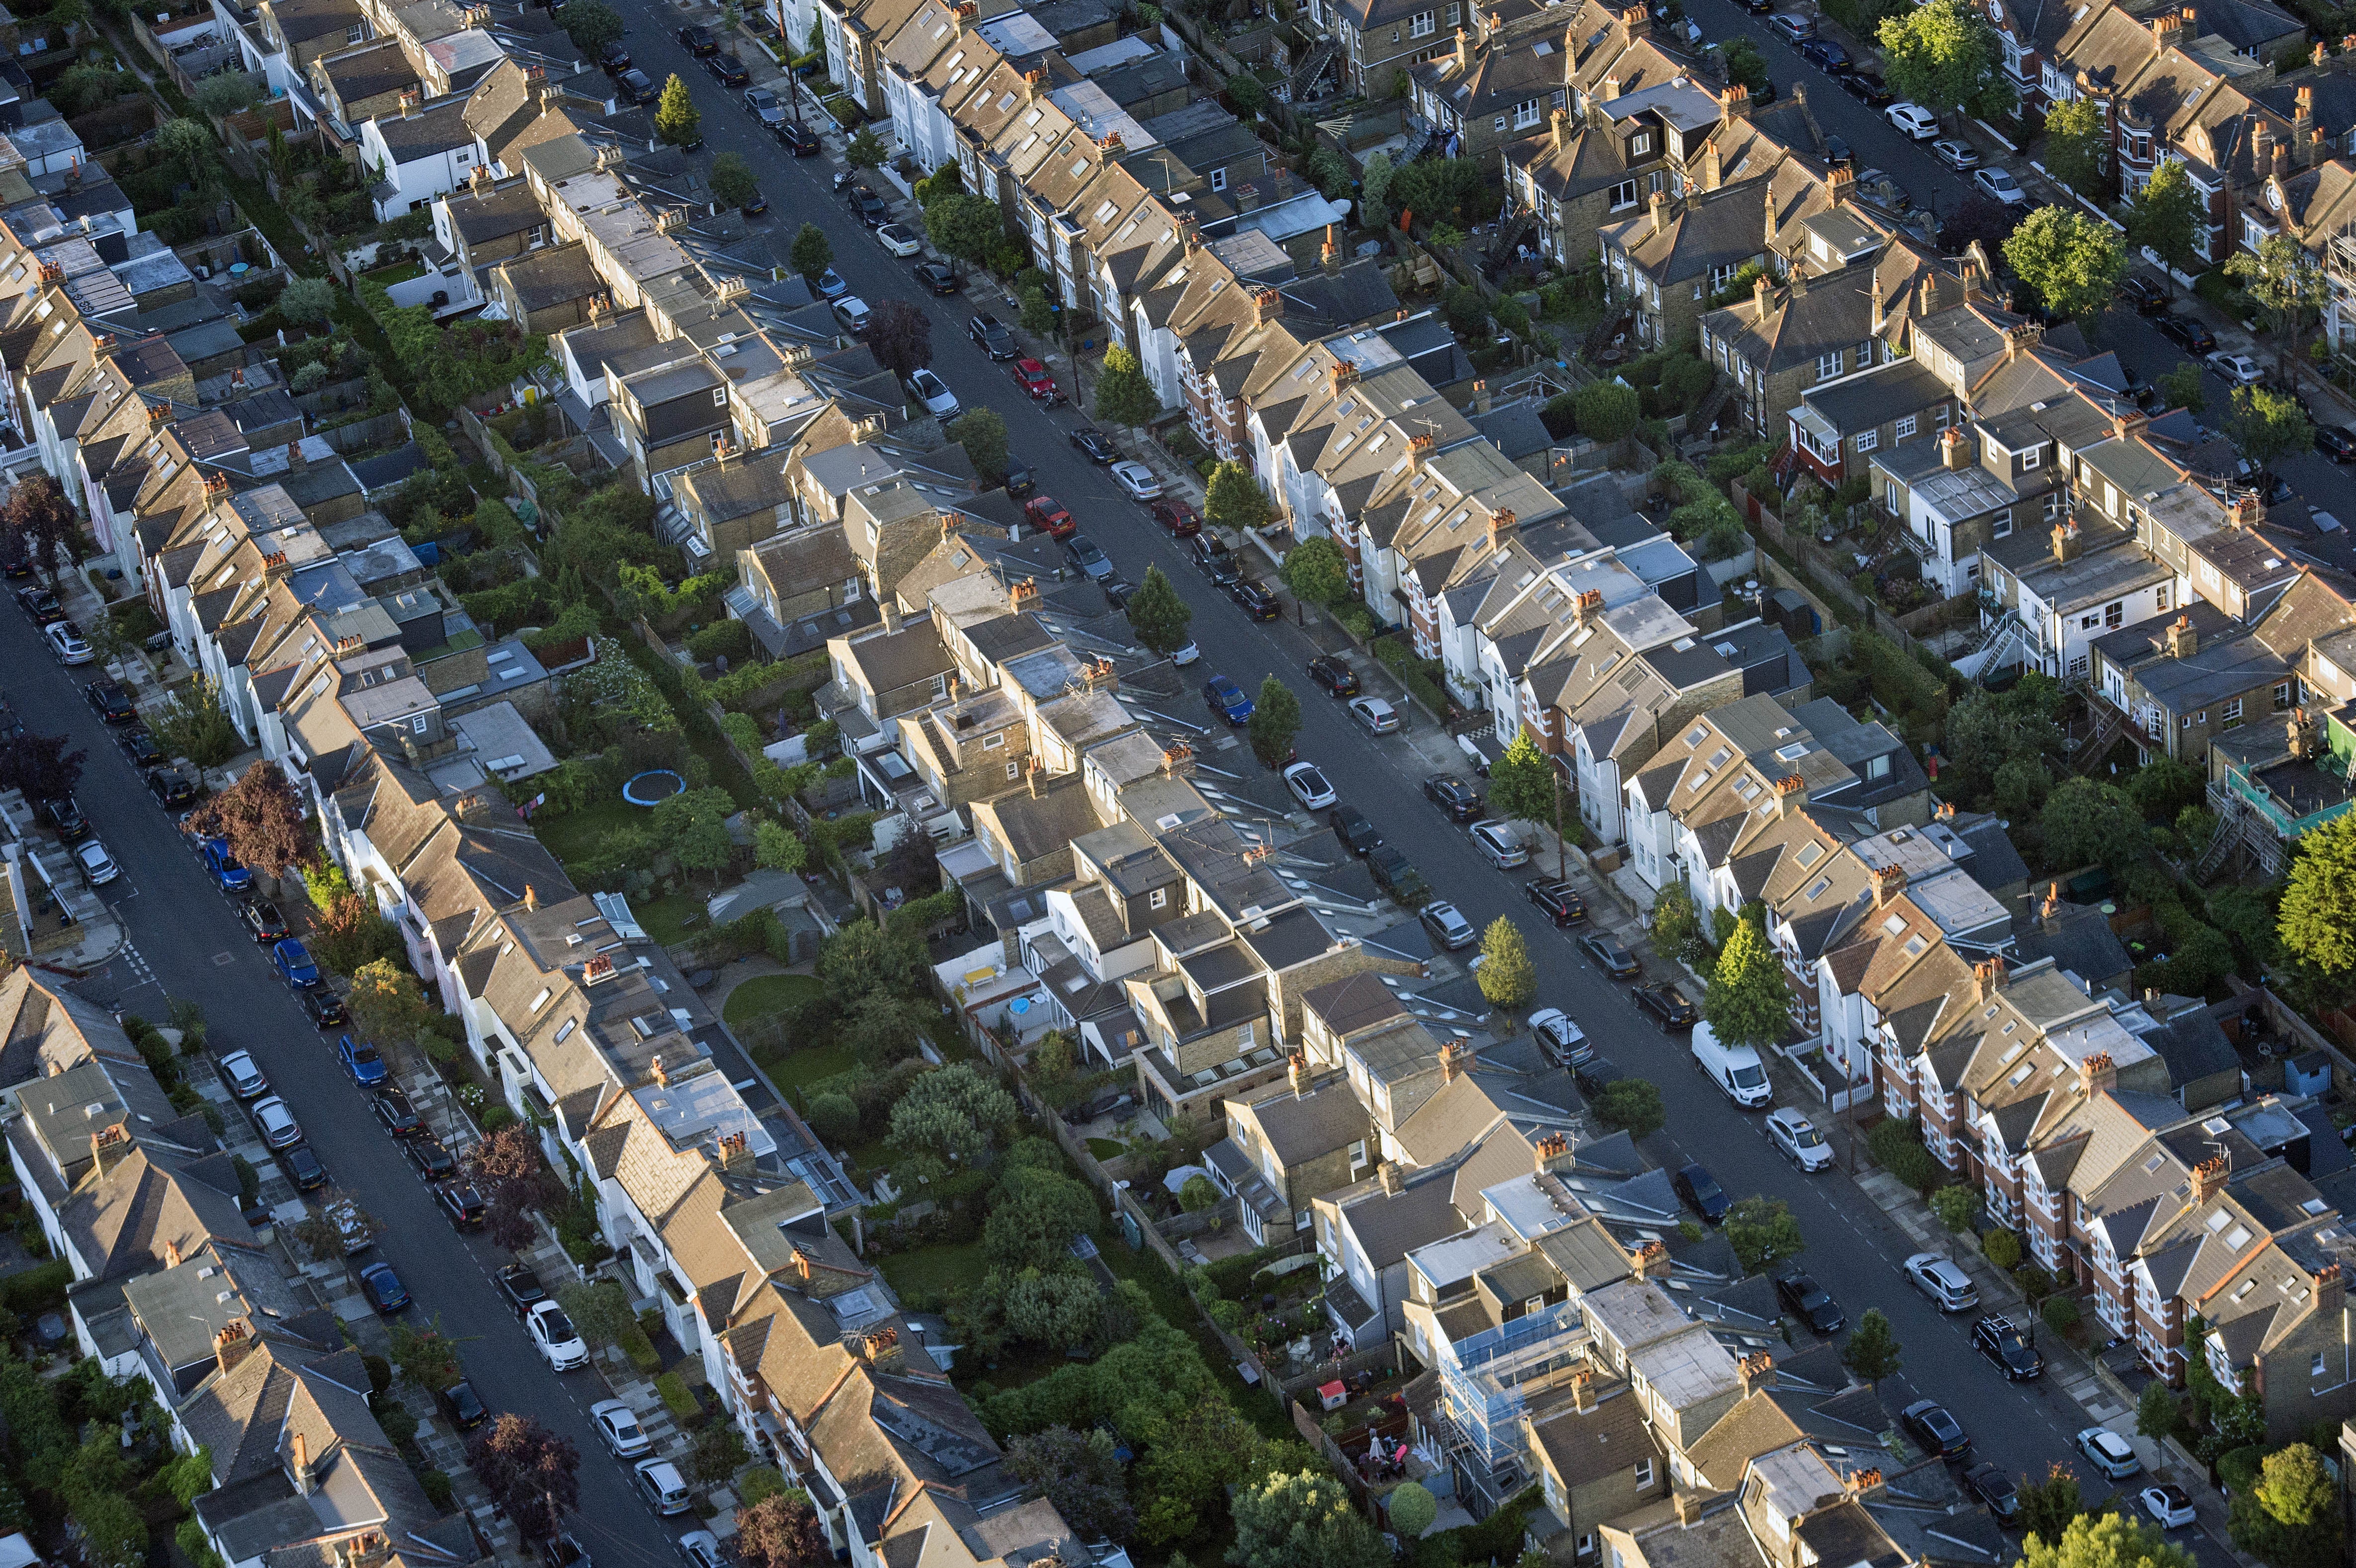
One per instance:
(1987, 978)
(1758, 1373)
(233, 1344)
(1889, 882)
(2183, 641)
(1296, 1068)
(2098, 1074)
(2209, 1178)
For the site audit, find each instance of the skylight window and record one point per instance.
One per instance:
(1816, 889)
(1895, 924)
(1810, 855)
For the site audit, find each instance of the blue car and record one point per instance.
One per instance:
(1227, 700)
(361, 1061)
(293, 961)
(226, 868)
(385, 1291)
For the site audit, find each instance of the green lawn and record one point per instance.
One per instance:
(794, 1069)
(1105, 1149)
(936, 1272)
(573, 835)
(769, 994)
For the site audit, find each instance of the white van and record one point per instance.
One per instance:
(1736, 1068)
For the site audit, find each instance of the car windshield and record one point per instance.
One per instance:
(1705, 1187)
(558, 1325)
(364, 1052)
(1748, 1077)
(1806, 1135)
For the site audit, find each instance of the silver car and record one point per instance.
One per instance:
(933, 392)
(1496, 840)
(1379, 717)
(97, 865)
(1949, 1288)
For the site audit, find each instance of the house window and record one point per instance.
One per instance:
(719, 397)
(1014, 769)
(2159, 599)
(1828, 366)
(2114, 614)
(2232, 711)
(1640, 144)
(1158, 899)
(1422, 25)
(357, 33)
(2315, 1365)
(1527, 114)
(1500, 124)
(417, 726)
(1624, 194)
(1867, 440)
(1643, 1472)
(2282, 697)
(2003, 521)
(1357, 1157)
(1905, 427)
(2031, 458)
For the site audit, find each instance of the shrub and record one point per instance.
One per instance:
(677, 1397)
(731, 639)
(2003, 1249)
(1898, 1149)
(398, 1424)
(2060, 1314)
(436, 1486)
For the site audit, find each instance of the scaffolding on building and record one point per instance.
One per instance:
(1485, 1377)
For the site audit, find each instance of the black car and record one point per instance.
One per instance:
(1257, 602)
(2186, 333)
(1609, 956)
(2007, 1349)
(1357, 834)
(866, 206)
(1217, 561)
(1103, 1105)
(1811, 1303)
(991, 334)
(940, 277)
(1452, 796)
(1095, 443)
(2335, 443)
(1595, 1074)
(263, 919)
(1759, 7)
(67, 819)
(758, 205)
(432, 1161)
(1824, 54)
(1837, 151)
(522, 1290)
(728, 69)
(1866, 89)
(170, 786)
(1397, 876)
(635, 87)
(139, 746)
(1698, 1190)
(1764, 93)
(1988, 1483)
(1559, 900)
(326, 1011)
(462, 1204)
(2147, 297)
(110, 702)
(1019, 482)
(464, 1405)
(1335, 678)
(1668, 1004)
(699, 40)
(394, 1110)
(799, 139)
(1927, 1421)
(40, 604)
(615, 59)
(303, 1167)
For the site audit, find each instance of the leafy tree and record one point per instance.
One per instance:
(263, 820)
(901, 336)
(507, 1162)
(1157, 614)
(1303, 1520)
(864, 959)
(40, 523)
(1235, 500)
(189, 143)
(812, 252)
(2163, 787)
(782, 1530)
(1674, 927)
(865, 150)
(2291, 1517)
(1246, 92)
(1508, 977)
(2074, 261)
(1453, 191)
(951, 1113)
(1034, 1216)
(1761, 1231)
(2084, 821)
(230, 92)
(1872, 1352)
(1058, 1308)
(2317, 918)
(309, 302)
(1275, 720)
(776, 849)
(2003, 1249)
(1607, 410)
(964, 225)
(1631, 1105)
(321, 1234)
(113, 1533)
(2165, 215)
(592, 25)
(2285, 281)
(730, 179)
(983, 435)
(533, 1474)
(1744, 64)
(1412, 1509)
(1954, 1205)
(1944, 56)
(40, 766)
(1374, 187)
(1977, 219)
(600, 1310)
(1124, 397)
(693, 827)
(2048, 1509)
(1077, 1472)
(1198, 1194)
(1038, 317)
(2266, 425)
(2157, 1415)
(2076, 141)
(426, 1356)
(677, 119)
(386, 1003)
(1316, 571)
(2182, 385)
(719, 1452)
(1748, 1001)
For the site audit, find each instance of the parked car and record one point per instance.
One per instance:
(1378, 717)
(1257, 602)
(1737, 1070)
(263, 919)
(1698, 1190)
(563, 1550)
(831, 286)
(1875, 185)
(1792, 26)
(1811, 1303)
(1949, 1288)
(699, 40)
(1049, 516)
(700, 1548)
(867, 207)
(66, 640)
(634, 86)
(1995, 1491)
(1334, 676)
(2169, 1505)
(520, 1288)
(800, 140)
(2108, 1452)
(900, 239)
(1836, 150)
(170, 786)
(321, 1006)
(1136, 480)
(1791, 1131)
(385, 1291)
(1559, 902)
(98, 866)
(1999, 184)
(553, 1336)
(1181, 520)
(1357, 833)
(991, 334)
(617, 1427)
(2335, 443)
(727, 69)
(360, 1060)
(933, 394)
(2006, 1348)
(66, 817)
(1227, 700)
(1217, 561)
(1098, 445)
(1019, 483)
(351, 1225)
(228, 873)
(940, 277)
(1397, 876)
(244, 1077)
(110, 702)
(463, 1405)
(2145, 296)
(138, 747)
(432, 1161)
(1032, 377)
(2238, 368)
(614, 59)
(1448, 925)
(1083, 553)
(1560, 1036)
(1309, 787)
(1607, 954)
(1866, 89)
(1912, 120)
(1496, 840)
(394, 1113)
(660, 1482)
(293, 961)
(1957, 155)
(463, 1204)
(1927, 1421)
(852, 313)
(1668, 1004)
(2186, 333)
(276, 1120)
(1824, 55)
(1460, 800)
(303, 1167)
(40, 604)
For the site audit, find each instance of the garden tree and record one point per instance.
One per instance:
(964, 225)
(1079, 1473)
(1977, 219)
(600, 1310)
(1674, 927)
(386, 1002)
(2165, 215)
(262, 818)
(1508, 977)
(307, 301)
(776, 849)
(1233, 499)
(693, 827)
(1198, 1194)
(1872, 1351)
(866, 959)
(1607, 410)
(2022, 786)
(1038, 317)
(40, 766)
(1954, 1205)
(1944, 56)
(2182, 387)
(192, 144)
(812, 252)
(1453, 191)
(507, 1162)
(1374, 189)
(1275, 720)
(1303, 1520)
(1034, 1216)
(229, 93)
(730, 179)
(2049, 1508)
(531, 1472)
(1157, 614)
(1744, 64)
(2317, 918)
(982, 433)
(2265, 426)
(719, 1452)
(1748, 1001)
(2247, 915)
(1124, 397)
(2076, 139)
(865, 150)
(1761, 1231)
(2291, 1517)
(1412, 1509)
(1249, 95)
(1316, 571)
(113, 1535)
(1631, 1105)
(949, 1115)
(2157, 1415)
(1058, 1308)
(2073, 260)
(901, 335)
(591, 24)
(677, 119)
(2284, 281)
(781, 1532)
(2163, 787)
(2087, 822)
(40, 524)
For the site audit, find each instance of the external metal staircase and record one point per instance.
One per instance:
(2110, 723)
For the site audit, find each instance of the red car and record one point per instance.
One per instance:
(1032, 377)
(1046, 513)
(1178, 518)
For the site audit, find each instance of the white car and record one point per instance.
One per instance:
(1309, 787)
(279, 1128)
(701, 1549)
(1949, 1288)
(1914, 119)
(66, 644)
(2000, 184)
(1379, 717)
(933, 394)
(1496, 840)
(1792, 1132)
(2238, 368)
(617, 1424)
(1561, 1037)
(1957, 155)
(97, 865)
(243, 1075)
(1186, 655)
(2169, 1505)
(555, 1338)
(1137, 480)
(2108, 1452)
(898, 239)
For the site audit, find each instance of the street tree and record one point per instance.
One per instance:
(1235, 500)
(1508, 977)
(901, 338)
(2266, 425)
(2287, 283)
(533, 1474)
(1676, 929)
(2111, 1539)
(2077, 140)
(730, 179)
(40, 766)
(307, 301)
(812, 252)
(2182, 388)
(1872, 1351)
(426, 1356)
(677, 119)
(2165, 217)
(2158, 1416)
(1081, 1474)
(965, 226)
(781, 1532)
(1945, 57)
(1316, 571)
(951, 1114)
(865, 150)
(322, 1230)
(591, 24)
(194, 725)
(386, 1002)
(2049, 1508)
(507, 1163)
(262, 818)
(2072, 260)
(1748, 1001)
(1955, 1204)
(1631, 1105)
(40, 524)
(1761, 1231)
(2317, 920)
(1038, 317)
(1275, 720)
(1303, 1520)
(719, 1452)
(2290, 1518)
(1157, 614)
(2087, 822)
(982, 433)
(1124, 397)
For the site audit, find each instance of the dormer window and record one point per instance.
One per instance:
(1640, 144)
